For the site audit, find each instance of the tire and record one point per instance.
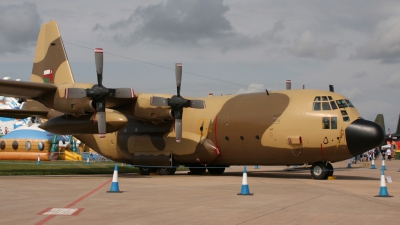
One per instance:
(330, 170)
(197, 170)
(166, 170)
(216, 170)
(146, 170)
(319, 171)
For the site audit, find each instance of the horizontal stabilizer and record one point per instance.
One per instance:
(23, 89)
(22, 113)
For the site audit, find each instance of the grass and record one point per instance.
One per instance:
(11, 167)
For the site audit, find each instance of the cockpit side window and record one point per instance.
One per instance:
(349, 103)
(341, 103)
(324, 98)
(333, 104)
(317, 98)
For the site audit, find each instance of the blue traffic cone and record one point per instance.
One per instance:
(38, 159)
(256, 167)
(245, 187)
(383, 192)
(373, 162)
(383, 164)
(114, 185)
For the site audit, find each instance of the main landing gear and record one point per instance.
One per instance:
(321, 170)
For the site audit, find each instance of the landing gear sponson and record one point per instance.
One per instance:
(171, 170)
(321, 170)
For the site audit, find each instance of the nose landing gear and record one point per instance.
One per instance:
(321, 170)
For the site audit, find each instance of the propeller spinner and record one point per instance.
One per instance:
(99, 93)
(177, 103)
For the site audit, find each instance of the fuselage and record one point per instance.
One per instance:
(277, 128)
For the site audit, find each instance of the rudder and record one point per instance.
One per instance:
(51, 62)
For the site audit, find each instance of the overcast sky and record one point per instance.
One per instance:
(226, 47)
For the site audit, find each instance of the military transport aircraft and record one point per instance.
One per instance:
(160, 131)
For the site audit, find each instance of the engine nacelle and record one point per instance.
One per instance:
(71, 106)
(144, 111)
(69, 125)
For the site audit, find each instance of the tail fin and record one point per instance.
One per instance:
(51, 63)
(379, 120)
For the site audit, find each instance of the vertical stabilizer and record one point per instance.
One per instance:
(379, 120)
(51, 63)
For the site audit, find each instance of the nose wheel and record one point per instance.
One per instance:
(321, 170)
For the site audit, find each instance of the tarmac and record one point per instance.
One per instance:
(281, 196)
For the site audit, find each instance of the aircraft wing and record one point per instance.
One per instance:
(23, 89)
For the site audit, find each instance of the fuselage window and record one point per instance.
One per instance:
(325, 106)
(333, 104)
(346, 119)
(15, 145)
(317, 106)
(341, 103)
(334, 123)
(349, 103)
(324, 98)
(317, 98)
(326, 122)
(28, 145)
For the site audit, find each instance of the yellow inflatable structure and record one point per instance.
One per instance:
(69, 155)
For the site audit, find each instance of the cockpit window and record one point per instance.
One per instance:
(325, 106)
(341, 103)
(317, 98)
(349, 103)
(330, 98)
(333, 104)
(324, 98)
(317, 106)
(346, 118)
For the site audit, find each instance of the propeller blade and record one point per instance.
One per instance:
(197, 104)
(122, 93)
(101, 118)
(98, 57)
(178, 76)
(158, 101)
(178, 130)
(75, 93)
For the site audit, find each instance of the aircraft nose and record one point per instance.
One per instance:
(363, 135)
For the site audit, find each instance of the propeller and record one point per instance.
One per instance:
(177, 103)
(99, 93)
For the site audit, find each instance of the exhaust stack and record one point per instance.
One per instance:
(288, 84)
